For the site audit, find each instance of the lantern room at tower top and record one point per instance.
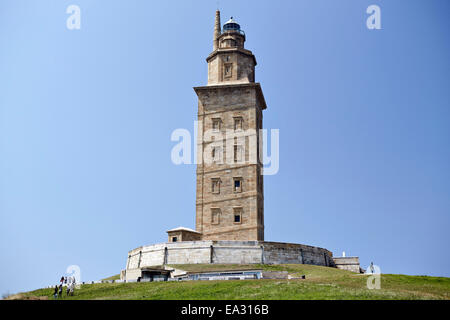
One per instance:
(232, 26)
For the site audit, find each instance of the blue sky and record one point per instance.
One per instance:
(86, 118)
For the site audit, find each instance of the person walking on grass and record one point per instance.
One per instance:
(55, 294)
(60, 291)
(72, 288)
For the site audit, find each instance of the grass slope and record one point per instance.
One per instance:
(320, 283)
(115, 277)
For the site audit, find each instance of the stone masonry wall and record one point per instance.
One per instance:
(347, 263)
(225, 104)
(228, 252)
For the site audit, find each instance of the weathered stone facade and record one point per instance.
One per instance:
(230, 195)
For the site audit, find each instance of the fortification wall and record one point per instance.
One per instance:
(286, 253)
(227, 252)
(347, 263)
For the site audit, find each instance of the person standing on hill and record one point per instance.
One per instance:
(55, 294)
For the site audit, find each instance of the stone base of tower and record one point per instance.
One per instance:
(225, 252)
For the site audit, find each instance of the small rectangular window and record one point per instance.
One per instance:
(216, 124)
(237, 215)
(228, 70)
(237, 184)
(215, 185)
(215, 216)
(238, 153)
(216, 154)
(238, 124)
(174, 239)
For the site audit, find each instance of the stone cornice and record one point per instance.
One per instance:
(254, 85)
(247, 195)
(225, 50)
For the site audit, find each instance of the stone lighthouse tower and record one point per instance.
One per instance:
(230, 196)
(230, 189)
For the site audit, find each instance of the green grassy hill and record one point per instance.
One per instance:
(320, 283)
